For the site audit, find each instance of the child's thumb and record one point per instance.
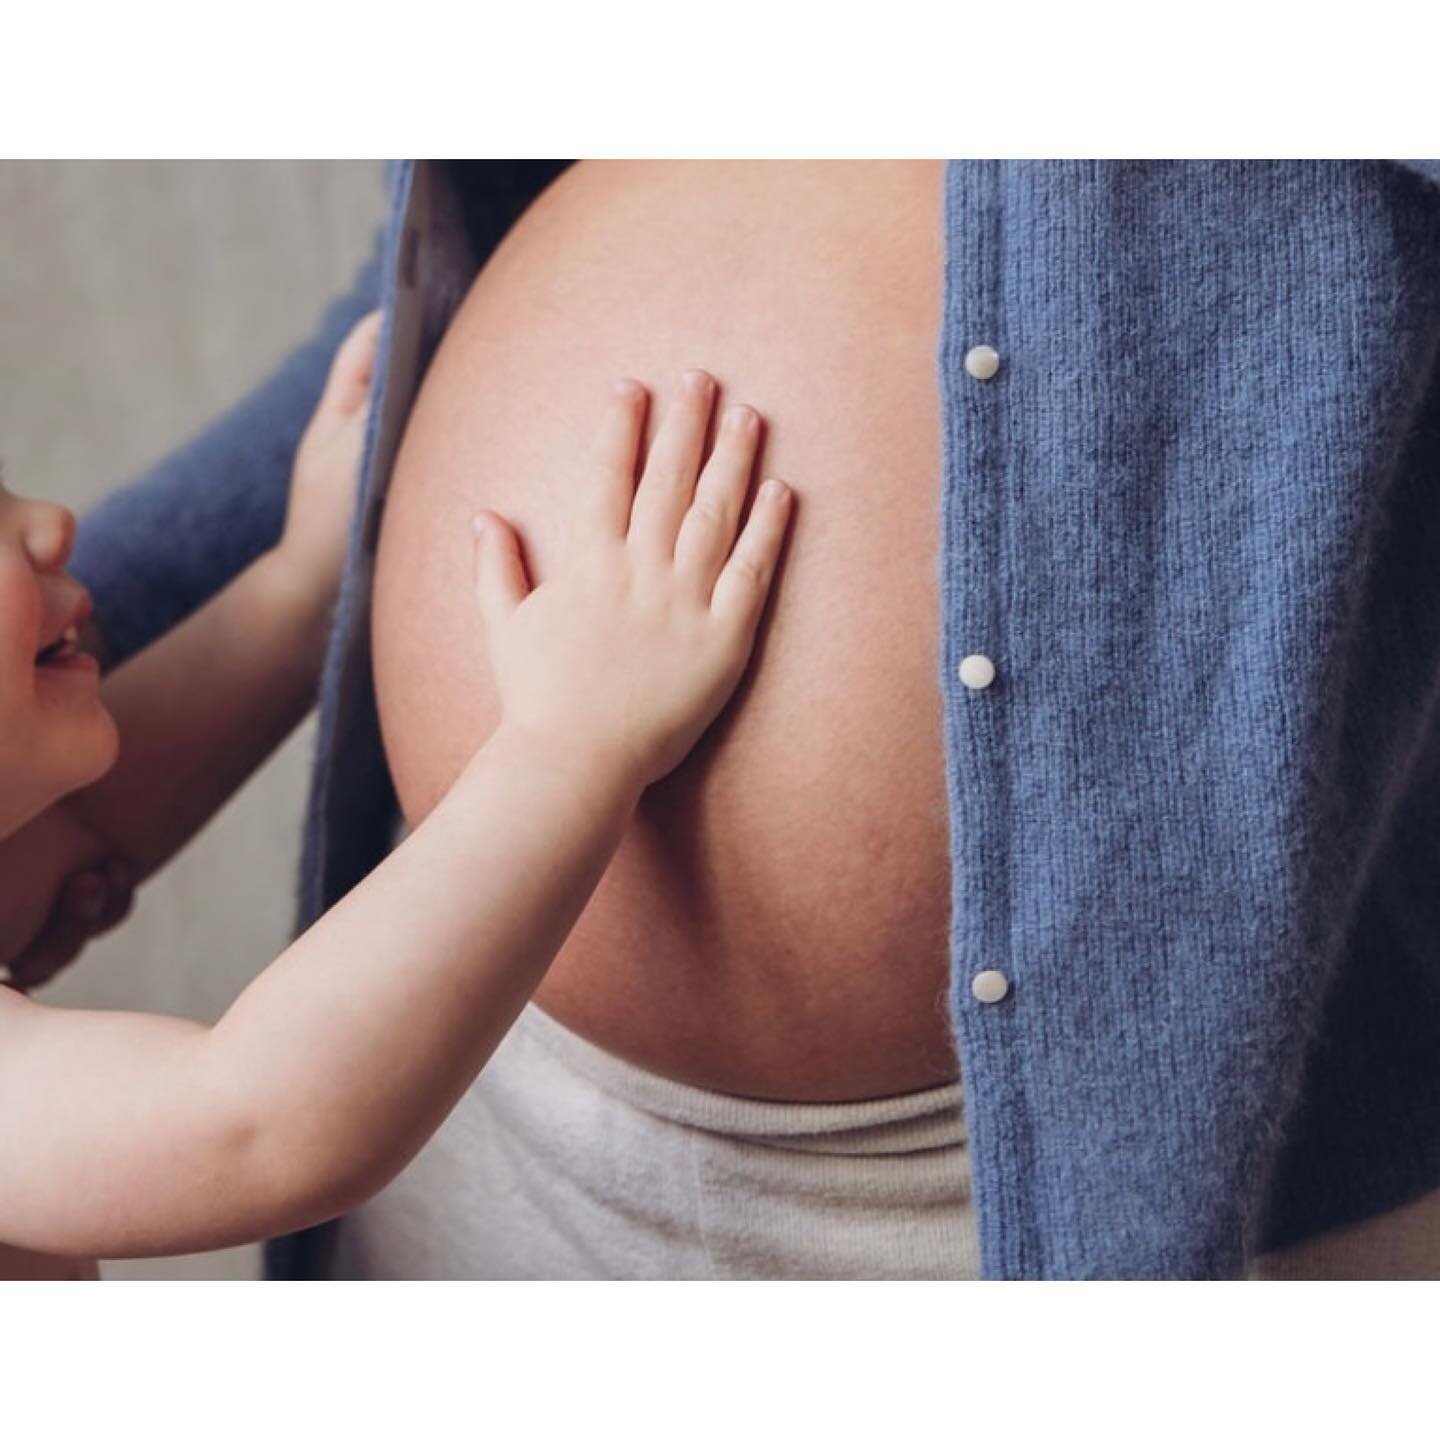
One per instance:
(500, 579)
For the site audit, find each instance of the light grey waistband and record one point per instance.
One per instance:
(893, 1125)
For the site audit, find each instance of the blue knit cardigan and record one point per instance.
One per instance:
(1194, 520)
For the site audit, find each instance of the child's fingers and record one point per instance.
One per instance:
(745, 581)
(119, 894)
(607, 502)
(708, 530)
(353, 367)
(500, 579)
(669, 480)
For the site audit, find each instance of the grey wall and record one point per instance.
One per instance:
(138, 299)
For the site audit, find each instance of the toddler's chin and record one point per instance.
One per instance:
(91, 751)
(68, 758)
(107, 745)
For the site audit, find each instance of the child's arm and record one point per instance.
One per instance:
(200, 709)
(127, 1134)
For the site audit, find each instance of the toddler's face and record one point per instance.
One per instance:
(55, 735)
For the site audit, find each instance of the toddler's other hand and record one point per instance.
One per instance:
(87, 904)
(327, 466)
(631, 650)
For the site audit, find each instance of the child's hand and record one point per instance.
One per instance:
(58, 892)
(632, 649)
(327, 467)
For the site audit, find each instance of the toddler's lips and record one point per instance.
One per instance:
(63, 643)
(67, 647)
(78, 662)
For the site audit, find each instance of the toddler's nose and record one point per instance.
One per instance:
(49, 534)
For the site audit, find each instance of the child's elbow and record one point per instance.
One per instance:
(301, 1178)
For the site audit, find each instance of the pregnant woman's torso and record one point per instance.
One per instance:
(775, 921)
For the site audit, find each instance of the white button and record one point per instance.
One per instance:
(977, 671)
(989, 986)
(982, 362)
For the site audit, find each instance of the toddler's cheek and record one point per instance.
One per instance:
(18, 743)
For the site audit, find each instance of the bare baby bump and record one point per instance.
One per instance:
(775, 921)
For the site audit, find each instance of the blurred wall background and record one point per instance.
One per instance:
(137, 300)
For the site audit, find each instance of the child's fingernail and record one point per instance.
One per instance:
(697, 382)
(626, 389)
(775, 491)
(477, 524)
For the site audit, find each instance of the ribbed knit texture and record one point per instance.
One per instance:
(1194, 519)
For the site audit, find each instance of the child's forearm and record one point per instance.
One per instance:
(128, 1135)
(198, 712)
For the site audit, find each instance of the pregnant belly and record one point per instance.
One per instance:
(775, 921)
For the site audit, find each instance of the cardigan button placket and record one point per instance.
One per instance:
(977, 672)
